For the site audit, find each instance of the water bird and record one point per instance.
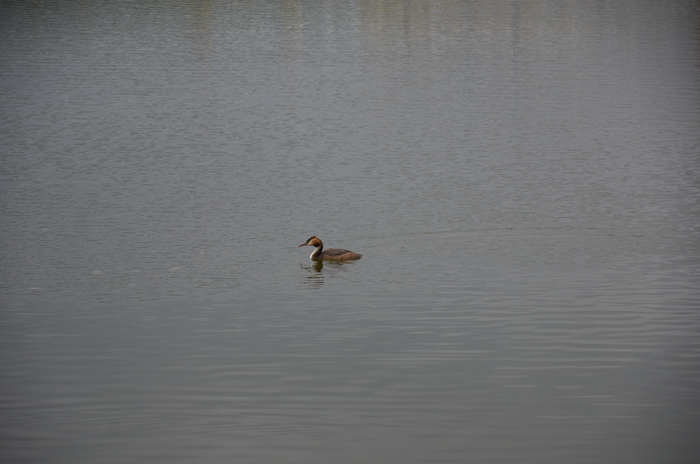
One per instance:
(331, 254)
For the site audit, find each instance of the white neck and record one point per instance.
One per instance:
(315, 254)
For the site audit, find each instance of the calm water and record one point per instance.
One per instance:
(523, 179)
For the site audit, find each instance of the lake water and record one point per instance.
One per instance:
(522, 178)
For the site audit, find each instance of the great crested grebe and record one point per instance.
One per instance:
(331, 254)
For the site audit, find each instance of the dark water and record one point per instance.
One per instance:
(523, 179)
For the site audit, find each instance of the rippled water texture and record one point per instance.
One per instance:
(522, 178)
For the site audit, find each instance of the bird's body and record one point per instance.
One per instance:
(331, 254)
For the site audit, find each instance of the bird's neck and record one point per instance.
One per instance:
(316, 254)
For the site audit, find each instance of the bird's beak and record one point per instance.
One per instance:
(303, 244)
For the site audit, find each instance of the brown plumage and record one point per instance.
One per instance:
(331, 254)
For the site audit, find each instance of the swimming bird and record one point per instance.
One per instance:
(331, 254)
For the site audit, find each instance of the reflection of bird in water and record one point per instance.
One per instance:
(315, 277)
(331, 254)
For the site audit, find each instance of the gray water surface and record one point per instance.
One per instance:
(522, 178)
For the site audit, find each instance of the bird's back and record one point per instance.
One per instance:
(340, 254)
